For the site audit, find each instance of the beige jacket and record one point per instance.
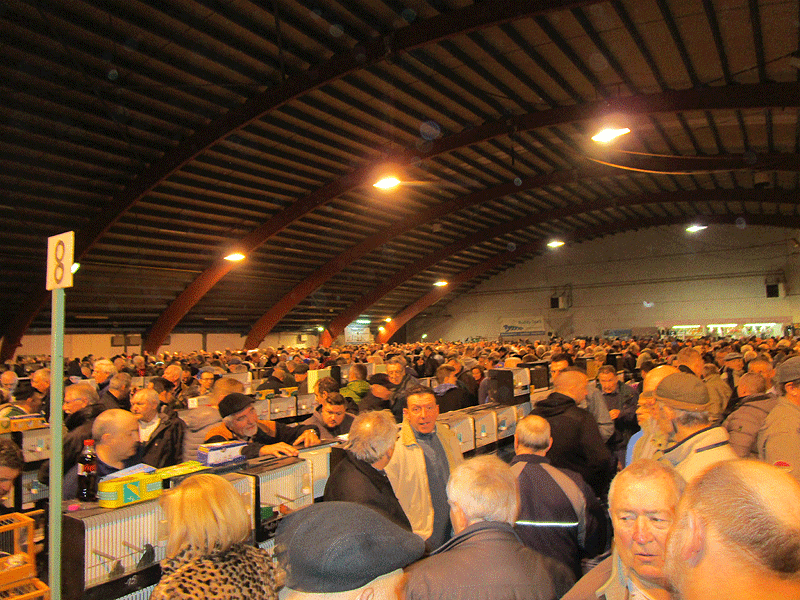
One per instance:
(409, 478)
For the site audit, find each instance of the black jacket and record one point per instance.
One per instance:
(577, 444)
(542, 500)
(164, 448)
(354, 480)
(79, 428)
(372, 402)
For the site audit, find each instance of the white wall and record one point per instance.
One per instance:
(652, 278)
(99, 344)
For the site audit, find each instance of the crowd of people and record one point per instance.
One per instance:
(673, 473)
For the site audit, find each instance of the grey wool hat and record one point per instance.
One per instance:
(789, 370)
(684, 392)
(333, 547)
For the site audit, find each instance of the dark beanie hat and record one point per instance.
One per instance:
(233, 403)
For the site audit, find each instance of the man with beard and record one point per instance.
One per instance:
(264, 438)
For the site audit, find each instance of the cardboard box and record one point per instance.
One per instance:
(113, 493)
(221, 453)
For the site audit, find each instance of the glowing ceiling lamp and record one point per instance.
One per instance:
(387, 183)
(695, 228)
(606, 135)
(75, 267)
(555, 243)
(440, 283)
(235, 257)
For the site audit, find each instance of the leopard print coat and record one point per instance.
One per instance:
(240, 573)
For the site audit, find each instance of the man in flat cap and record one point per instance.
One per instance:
(343, 551)
(683, 417)
(779, 438)
(264, 438)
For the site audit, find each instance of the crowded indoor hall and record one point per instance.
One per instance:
(425, 299)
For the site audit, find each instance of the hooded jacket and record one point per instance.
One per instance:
(577, 444)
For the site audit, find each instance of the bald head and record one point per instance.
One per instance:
(739, 517)
(571, 382)
(751, 383)
(655, 376)
(691, 358)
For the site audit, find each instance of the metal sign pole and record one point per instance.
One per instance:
(56, 442)
(60, 252)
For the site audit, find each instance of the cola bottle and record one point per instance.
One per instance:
(87, 472)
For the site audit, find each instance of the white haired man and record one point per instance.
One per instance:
(359, 476)
(485, 558)
(642, 501)
(737, 535)
(161, 436)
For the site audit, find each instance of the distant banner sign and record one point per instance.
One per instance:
(522, 327)
(624, 334)
(357, 335)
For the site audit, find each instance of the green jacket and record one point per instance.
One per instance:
(355, 390)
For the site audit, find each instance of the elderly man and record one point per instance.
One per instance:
(577, 444)
(485, 558)
(779, 437)
(559, 514)
(737, 535)
(642, 502)
(423, 458)
(118, 392)
(648, 443)
(102, 371)
(621, 401)
(360, 476)
(402, 382)
(264, 438)
(8, 382)
(161, 436)
(12, 462)
(81, 407)
(40, 381)
(331, 418)
(379, 395)
(116, 436)
(683, 418)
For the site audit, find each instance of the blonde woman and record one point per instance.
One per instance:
(207, 556)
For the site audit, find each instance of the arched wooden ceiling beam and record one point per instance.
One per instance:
(733, 97)
(342, 320)
(576, 236)
(634, 162)
(422, 33)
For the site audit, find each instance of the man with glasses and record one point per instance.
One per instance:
(402, 382)
(420, 467)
